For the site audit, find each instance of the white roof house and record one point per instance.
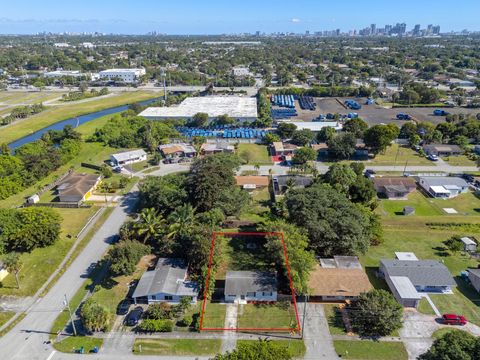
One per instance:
(126, 75)
(128, 157)
(444, 187)
(469, 244)
(238, 107)
(406, 256)
(405, 288)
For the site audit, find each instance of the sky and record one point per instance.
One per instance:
(229, 16)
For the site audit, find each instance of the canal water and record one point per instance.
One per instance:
(75, 121)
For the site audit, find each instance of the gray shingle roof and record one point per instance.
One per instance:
(241, 282)
(444, 180)
(421, 272)
(168, 277)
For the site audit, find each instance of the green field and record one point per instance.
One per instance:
(370, 350)
(423, 206)
(266, 316)
(39, 264)
(5, 316)
(296, 347)
(58, 113)
(399, 155)
(72, 343)
(21, 98)
(258, 154)
(176, 347)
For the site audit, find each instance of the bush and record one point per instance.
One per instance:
(159, 311)
(186, 321)
(152, 325)
(94, 316)
(284, 305)
(125, 255)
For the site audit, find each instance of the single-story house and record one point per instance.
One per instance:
(250, 286)
(218, 147)
(173, 151)
(443, 187)
(361, 150)
(3, 271)
(279, 148)
(338, 279)
(77, 187)
(469, 244)
(474, 277)
(128, 157)
(394, 187)
(442, 150)
(282, 182)
(252, 182)
(408, 278)
(168, 282)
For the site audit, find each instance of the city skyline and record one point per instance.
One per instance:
(216, 17)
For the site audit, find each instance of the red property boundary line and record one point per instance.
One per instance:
(287, 264)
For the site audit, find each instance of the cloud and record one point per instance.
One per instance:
(295, 20)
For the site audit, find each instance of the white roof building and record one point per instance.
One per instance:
(406, 256)
(238, 107)
(315, 126)
(62, 73)
(125, 75)
(128, 157)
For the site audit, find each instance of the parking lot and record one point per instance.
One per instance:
(374, 114)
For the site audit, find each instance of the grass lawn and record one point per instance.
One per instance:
(399, 155)
(112, 291)
(464, 301)
(265, 316)
(296, 347)
(465, 204)
(370, 350)
(58, 113)
(425, 308)
(214, 316)
(176, 347)
(27, 97)
(423, 206)
(460, 160)
(258, 207)
(5, 316)
(334, 318)
(40, 263)
(258, 154)
(440, 332)
(72, 343)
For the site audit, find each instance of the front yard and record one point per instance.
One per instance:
(266, 316)
(296, 347)
(176, 347)
(214, 316)
(399, 155)
(370, 350)
(254, 154)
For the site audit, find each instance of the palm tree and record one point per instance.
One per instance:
(181, 220)
(149, 225)
(13, 264)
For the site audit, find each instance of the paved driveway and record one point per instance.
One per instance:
(317, 338)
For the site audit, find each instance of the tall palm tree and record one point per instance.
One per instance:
(149, 225)
(13, 264)
(181, 220)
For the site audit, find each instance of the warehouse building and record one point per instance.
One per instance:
(63, 73)
(126, 75)
(238, 107)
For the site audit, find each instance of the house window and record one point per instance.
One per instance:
(232, 295)
(265, 293)
(250, 294)
(154, 297)
(168, 297)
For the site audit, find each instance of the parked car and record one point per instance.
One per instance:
(117, 169)
(369, 174)
(452, 319)
(403, 116)
(122, 308)
(440, 112)
(432, 157)
(134, 316)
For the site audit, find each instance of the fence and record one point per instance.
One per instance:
(60, 205)
(54, 183)
(91, 166)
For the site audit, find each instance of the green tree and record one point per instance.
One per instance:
(304, 155)
(181, 220)
(454, 244)
(247, 155)
(286, 130)
(164, 193)
(94, 316)
(375, 313)
(150, 225)
(198, 120)
(355, 126)
(362, 191)
(263, 349)
(326, 134)
(271, 138)
(13, 264)
(379, 137)
(454, 345)
(342, 146)
(300, 258)
(340, 177)
(125, 255)
(334, 224)
(302, 137)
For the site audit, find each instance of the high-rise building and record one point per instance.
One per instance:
(436, 30)
(430, 29)
(373, 29)
(416, 30)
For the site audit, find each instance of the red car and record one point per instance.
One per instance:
(452, 319)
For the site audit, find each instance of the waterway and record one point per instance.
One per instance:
(75, 121)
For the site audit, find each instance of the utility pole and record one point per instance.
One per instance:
(305, 299)
(67, 304)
